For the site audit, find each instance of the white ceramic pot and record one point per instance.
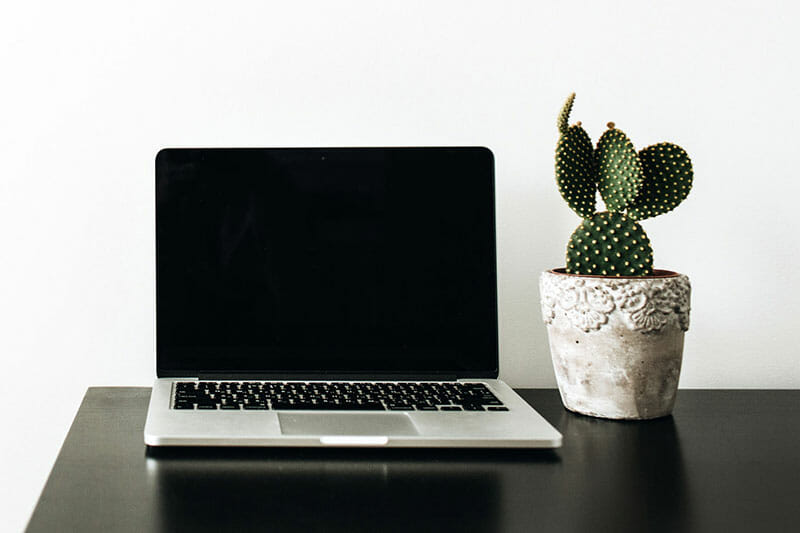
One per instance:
(616, 342)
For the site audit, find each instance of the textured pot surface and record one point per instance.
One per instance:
(616, 343)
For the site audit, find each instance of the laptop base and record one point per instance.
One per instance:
(519, 427)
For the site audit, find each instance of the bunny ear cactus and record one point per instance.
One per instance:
(634, 186)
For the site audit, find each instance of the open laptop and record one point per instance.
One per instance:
(330, 297)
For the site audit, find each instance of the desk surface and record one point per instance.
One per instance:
(725, 460)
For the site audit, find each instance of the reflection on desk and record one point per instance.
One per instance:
(346, 489)
(634, 474)
(726, 460)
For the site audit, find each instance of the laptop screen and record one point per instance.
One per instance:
(329, 261)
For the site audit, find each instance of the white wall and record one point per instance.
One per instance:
(91, 91)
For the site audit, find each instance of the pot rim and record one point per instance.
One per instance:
(657, 274)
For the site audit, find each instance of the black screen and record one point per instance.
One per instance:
(330, 261)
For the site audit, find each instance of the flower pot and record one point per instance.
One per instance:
(616, 342)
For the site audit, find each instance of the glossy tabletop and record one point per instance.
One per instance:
(725, 461)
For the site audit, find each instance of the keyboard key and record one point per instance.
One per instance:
(493, 408)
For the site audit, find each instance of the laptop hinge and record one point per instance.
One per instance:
(326, 377)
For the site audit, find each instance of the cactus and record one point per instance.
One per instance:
(633, 187)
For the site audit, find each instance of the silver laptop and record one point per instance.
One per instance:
(330, 297)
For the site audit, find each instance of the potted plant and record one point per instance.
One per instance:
(615, 324)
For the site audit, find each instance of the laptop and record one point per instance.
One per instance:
(330, 297)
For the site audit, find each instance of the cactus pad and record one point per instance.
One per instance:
(576, 171)
(563, 116)
(619, 169)
(666, 180)
(609, 244)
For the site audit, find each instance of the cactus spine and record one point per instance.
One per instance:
(634, 186)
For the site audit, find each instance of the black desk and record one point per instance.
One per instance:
(725, 461)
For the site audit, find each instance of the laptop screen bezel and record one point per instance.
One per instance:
(176, 366)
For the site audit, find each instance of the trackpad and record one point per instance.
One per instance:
(346, 424)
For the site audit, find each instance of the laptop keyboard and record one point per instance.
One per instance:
(335, 396)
